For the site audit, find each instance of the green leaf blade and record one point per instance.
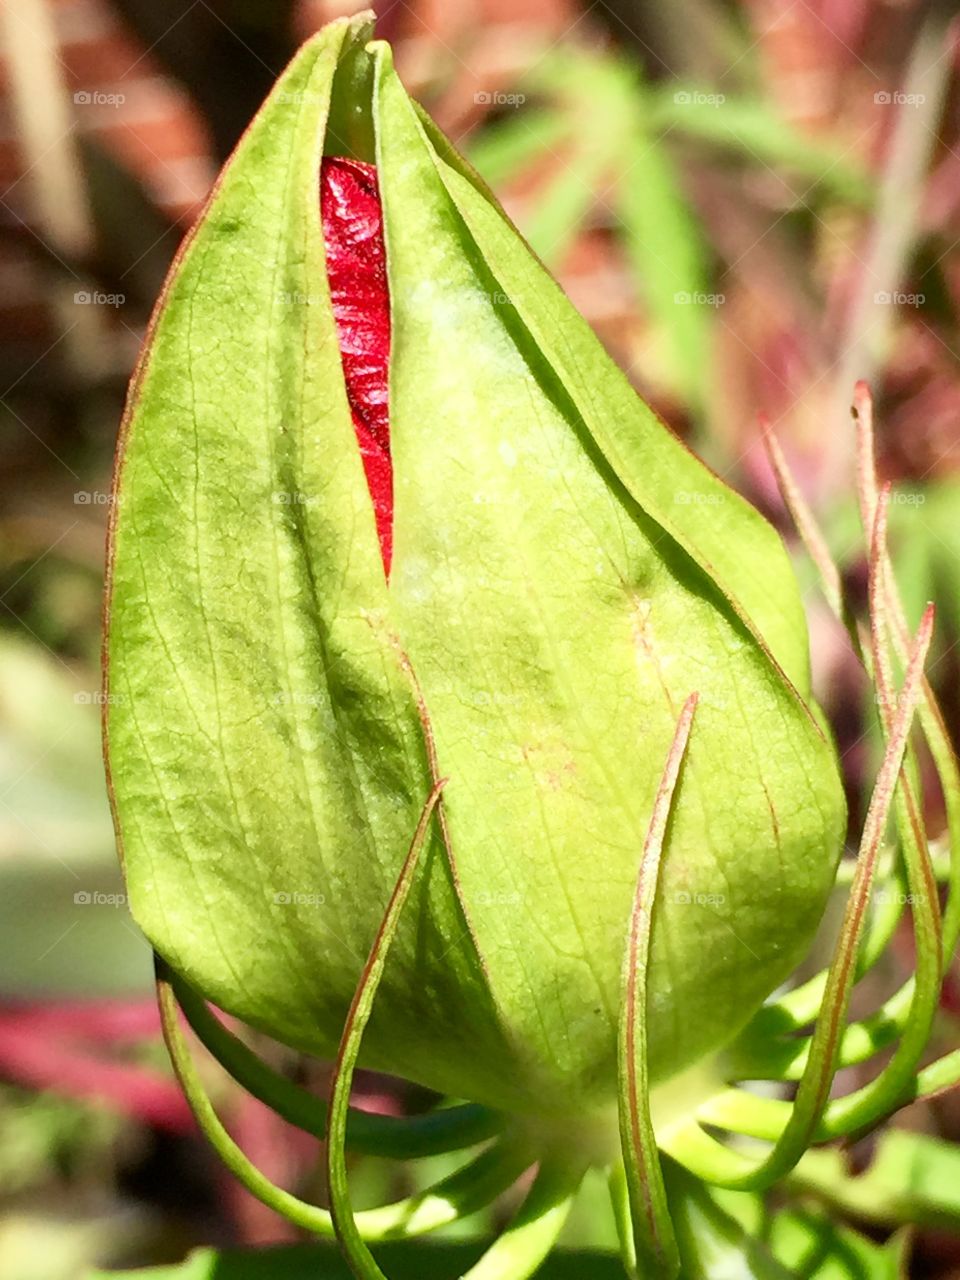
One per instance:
(545, 593)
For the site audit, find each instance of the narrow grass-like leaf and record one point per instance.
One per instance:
(597, 98)
(760, 135)
(668, 256)
(502, 151)
(656, 1248)
(613, 156)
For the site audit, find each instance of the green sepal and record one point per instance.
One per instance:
(565, 572)
(265, 747)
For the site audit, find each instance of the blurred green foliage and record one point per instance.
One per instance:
(56, 840)
(614, 143)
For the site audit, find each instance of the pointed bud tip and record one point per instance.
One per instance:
(862, 399)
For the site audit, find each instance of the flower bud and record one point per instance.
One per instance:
(507, 573)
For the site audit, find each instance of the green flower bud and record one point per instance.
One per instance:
(564, 575)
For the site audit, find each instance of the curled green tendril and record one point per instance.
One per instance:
(436, 1133)
(464, 1192)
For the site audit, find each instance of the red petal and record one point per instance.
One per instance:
(357, 269)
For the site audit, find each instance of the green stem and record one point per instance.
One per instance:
(752, 1116)
(620, 1202)
(438, 1132)
(525, 1244)
(787, 1059)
